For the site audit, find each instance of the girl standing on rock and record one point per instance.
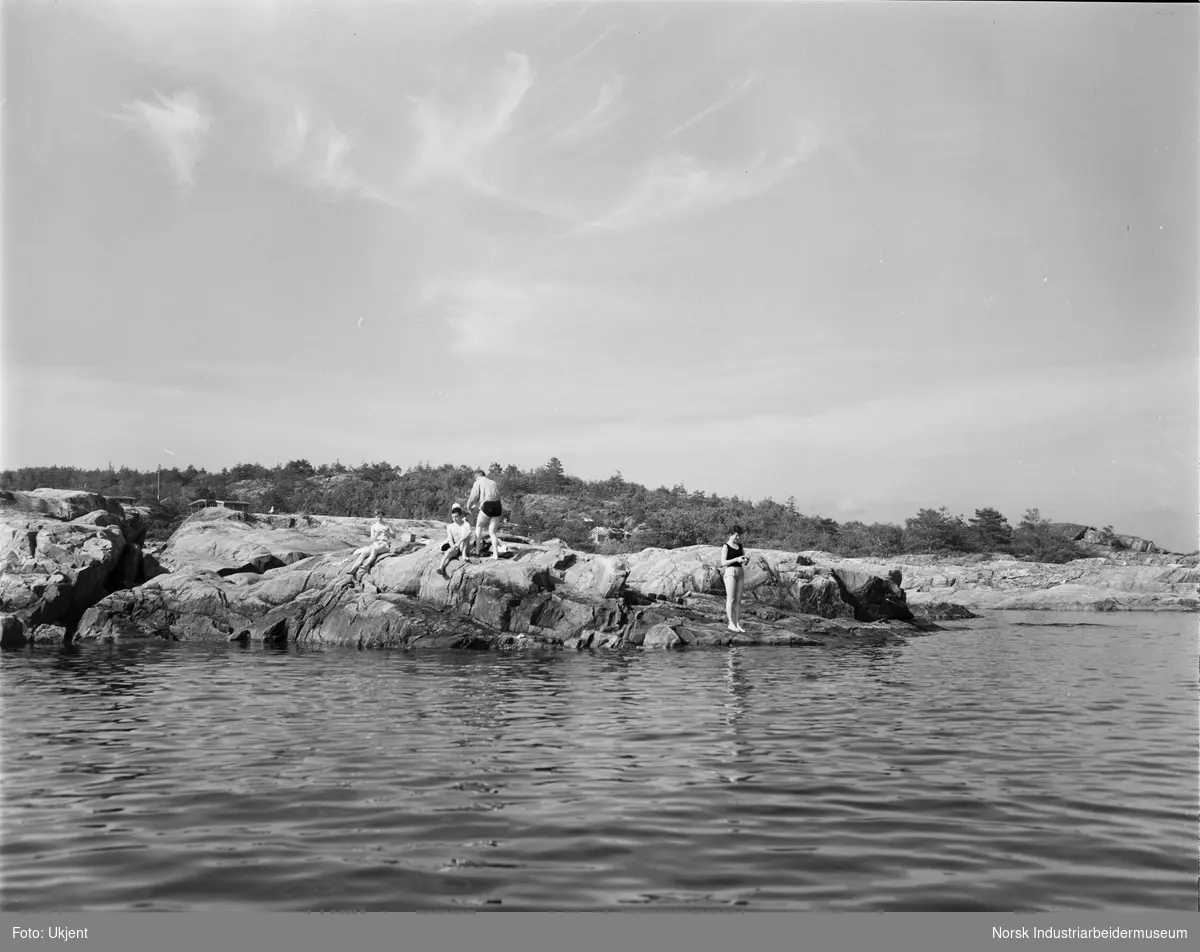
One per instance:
(733, 557)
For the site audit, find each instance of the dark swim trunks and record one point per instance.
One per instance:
(492, 509)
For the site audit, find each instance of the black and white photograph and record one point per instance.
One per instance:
(678, 457)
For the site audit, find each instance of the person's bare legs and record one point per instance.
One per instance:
(462, 548)
(477, 536)
(367, 558)
(373, 557)
(733, 600)
(495, 521)
(360, 556)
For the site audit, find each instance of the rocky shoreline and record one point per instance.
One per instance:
(76, 568)
(1120, 582)
(539, 594)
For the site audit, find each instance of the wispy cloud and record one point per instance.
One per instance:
(294, 138)
(332, 169)
(318, 153)
(575, 58)
(735, 91)
(452, 143)
(675, 186)
(598, 117)
(179, 125)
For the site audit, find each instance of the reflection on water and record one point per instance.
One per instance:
(1028, 761)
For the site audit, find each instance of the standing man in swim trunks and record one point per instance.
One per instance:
(458, 538)
(488, 494)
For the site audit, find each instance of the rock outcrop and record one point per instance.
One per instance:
(229, 542)
(61, 551)
(244, 584)
(1104, 541)
(538, 594)
(61, 504)
(1134, 583)
(74, 568)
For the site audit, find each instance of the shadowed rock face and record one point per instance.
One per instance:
(61, 551)
(872, 596)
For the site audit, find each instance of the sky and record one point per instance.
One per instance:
(875, 257)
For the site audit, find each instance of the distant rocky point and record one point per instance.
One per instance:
(1104, 538)
(992, 583)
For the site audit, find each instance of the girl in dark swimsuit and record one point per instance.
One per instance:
(733, 557)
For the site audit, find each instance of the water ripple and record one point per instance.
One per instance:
(1019, 761)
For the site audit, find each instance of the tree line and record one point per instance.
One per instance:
(546, 502)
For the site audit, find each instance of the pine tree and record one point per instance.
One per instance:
(991, 529)
(551, 476)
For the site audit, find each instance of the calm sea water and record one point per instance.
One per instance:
(1027, 761)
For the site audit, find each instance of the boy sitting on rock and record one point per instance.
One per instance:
(458, 539)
